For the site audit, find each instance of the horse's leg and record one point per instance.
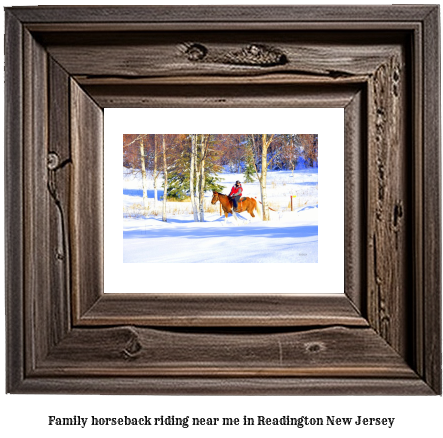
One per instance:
(235, 216)
(257, 209)
(231, 207)
(249, 210)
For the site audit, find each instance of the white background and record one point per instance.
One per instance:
(25, 415)
(328, 123)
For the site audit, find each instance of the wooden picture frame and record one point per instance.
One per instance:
(65, 64)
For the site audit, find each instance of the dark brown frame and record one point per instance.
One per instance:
(64, 65)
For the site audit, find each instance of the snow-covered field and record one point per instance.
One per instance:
(290, 236)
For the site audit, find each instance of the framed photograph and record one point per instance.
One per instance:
(290, 248)
(375, 328)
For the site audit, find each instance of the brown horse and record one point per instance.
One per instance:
(245, 204)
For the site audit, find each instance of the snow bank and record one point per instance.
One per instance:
(290, 237)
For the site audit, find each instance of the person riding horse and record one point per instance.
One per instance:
(236, 193)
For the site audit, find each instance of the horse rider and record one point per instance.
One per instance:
(236, 193)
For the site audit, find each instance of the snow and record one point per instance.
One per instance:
(290, 236)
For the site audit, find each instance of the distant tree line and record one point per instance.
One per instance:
(190, 163)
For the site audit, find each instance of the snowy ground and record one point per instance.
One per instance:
(290, 237)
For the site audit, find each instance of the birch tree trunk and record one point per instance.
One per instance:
(155, 172)
(191, 176)
(202, 199)
(197, 173)
(259, 178)
(144, 179)
(264, 170)
(204, 148)
(165, 173)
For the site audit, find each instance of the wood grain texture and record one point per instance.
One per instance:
(231, 26)
(388, 203)
(226, 386)
(239, 310)
(385, 339)
(170, 54)
(37, 306)
(86, 220)
(129, 351)
(14, 238)
(59, 166)
(264, 78)
(417, 357)
(432, 334)
(226, 95)
(355, 195)
(213, 14)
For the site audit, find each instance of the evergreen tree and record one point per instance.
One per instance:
(179, 174)
(249, 165)
(178, 184)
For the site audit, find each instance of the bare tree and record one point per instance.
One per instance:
(309, 145)
(204, 148)
(144, 178)
(197, 176)
(290, 151)
(155, 172)
(136, 158)
(191, 175)
(266, 140)
(165, 174)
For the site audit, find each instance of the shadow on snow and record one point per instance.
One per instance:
(230, 231)
(139, 192)
(308, 207)
(306, 183)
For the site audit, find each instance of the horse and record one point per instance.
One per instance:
(245, 204)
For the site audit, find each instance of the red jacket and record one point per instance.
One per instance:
(236, 191)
